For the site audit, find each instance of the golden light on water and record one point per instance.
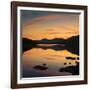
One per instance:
(53, 59)
(55, 56)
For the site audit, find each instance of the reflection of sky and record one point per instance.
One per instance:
(44, 24)
(51, 57)
(54, 60)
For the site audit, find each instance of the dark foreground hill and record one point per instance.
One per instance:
(27, 44)
(72, 44)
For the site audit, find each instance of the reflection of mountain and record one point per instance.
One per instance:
(71, 44)
(54, 47)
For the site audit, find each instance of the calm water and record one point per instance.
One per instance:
(35, 59)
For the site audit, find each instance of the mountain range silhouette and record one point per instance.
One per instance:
(71, 44)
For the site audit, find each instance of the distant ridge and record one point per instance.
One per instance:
(71, 44)
(52, 41)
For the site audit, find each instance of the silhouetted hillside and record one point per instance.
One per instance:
(52, 41)
(28, 44)
(72, 44)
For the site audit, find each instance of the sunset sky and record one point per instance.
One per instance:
(37, 25)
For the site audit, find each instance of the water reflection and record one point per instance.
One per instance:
(43, 61)
(56, 57)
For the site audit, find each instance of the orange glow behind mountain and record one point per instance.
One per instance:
(51, 26)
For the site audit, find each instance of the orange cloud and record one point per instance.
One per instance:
(36, 29)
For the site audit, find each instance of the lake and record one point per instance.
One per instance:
(38, 62)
